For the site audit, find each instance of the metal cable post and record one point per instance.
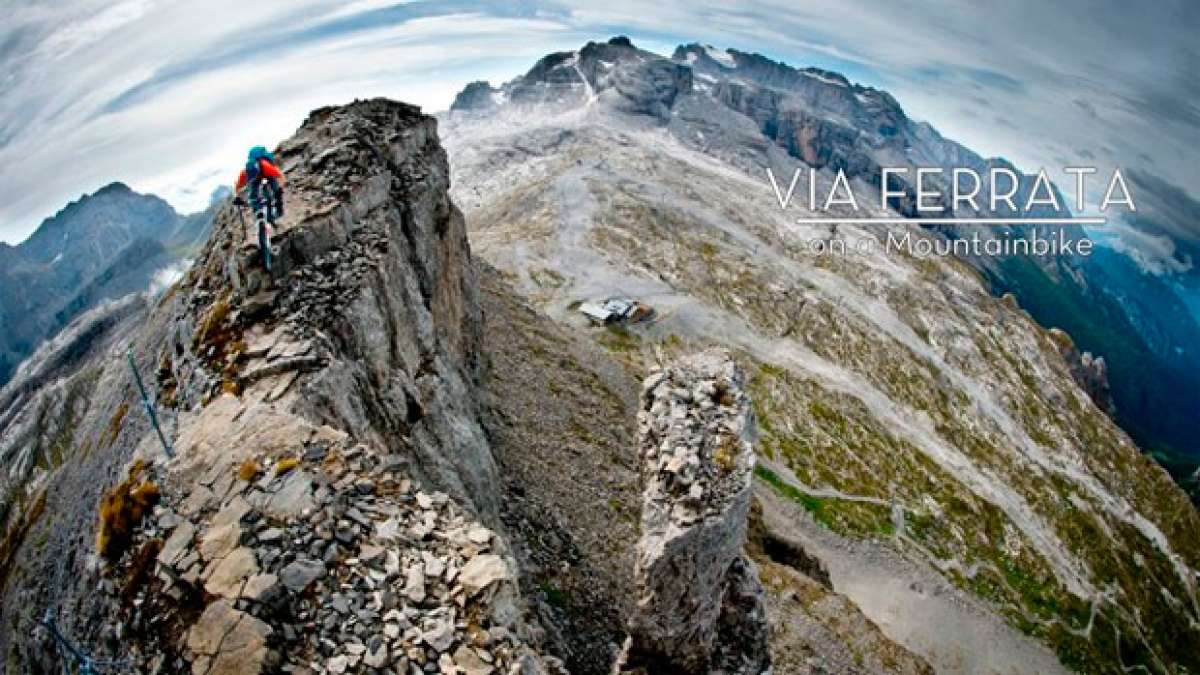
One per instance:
(87, 665)
(148, 405)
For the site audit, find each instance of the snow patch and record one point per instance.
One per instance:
(590, 92)
(822, 78)
(721, 56)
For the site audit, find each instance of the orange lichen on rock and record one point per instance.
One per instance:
(121, 509)
(248, 470)
(114, 424)
(285, 465)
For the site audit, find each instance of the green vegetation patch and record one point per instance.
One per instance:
(840, 515)
(618, 338)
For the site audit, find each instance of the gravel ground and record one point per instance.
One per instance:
(563, 428)
(910, 602)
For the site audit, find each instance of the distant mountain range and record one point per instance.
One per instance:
(1106, 303)
(900, 397)
(403, 446)
(103, 246)
(1136, 321)
(110, 243)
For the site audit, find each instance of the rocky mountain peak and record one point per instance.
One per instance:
(105, 218)
(99, 247)
(477, 95)
(115, 187)
(615, 73)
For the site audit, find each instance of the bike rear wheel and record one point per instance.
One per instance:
(264, 245)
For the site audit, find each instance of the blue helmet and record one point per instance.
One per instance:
(259, 152)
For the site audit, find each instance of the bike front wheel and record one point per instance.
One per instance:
(264, 246)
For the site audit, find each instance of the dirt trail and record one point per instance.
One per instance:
(912, 603)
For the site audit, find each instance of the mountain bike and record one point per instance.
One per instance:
(262, 219)
(264, 214)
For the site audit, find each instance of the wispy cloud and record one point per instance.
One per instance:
(167, 276)
(166, 95)
(1154, 253)
(163, 97)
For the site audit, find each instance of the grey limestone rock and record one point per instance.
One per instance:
(699, 606)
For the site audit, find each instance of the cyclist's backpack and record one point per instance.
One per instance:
(256, 154)
(253, 173)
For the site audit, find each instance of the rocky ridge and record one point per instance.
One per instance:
(327, 562)
(367, 330)
(333, 502)
(699, 607)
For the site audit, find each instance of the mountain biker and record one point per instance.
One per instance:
(260, 168)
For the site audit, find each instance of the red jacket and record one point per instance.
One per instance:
(266, 170)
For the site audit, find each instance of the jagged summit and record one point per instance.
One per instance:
(477, 95)
(814, 115)
(99, 215)
(115, 187)
(615, 72)
(323, 417)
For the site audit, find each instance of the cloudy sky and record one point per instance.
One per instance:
(167, 95)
